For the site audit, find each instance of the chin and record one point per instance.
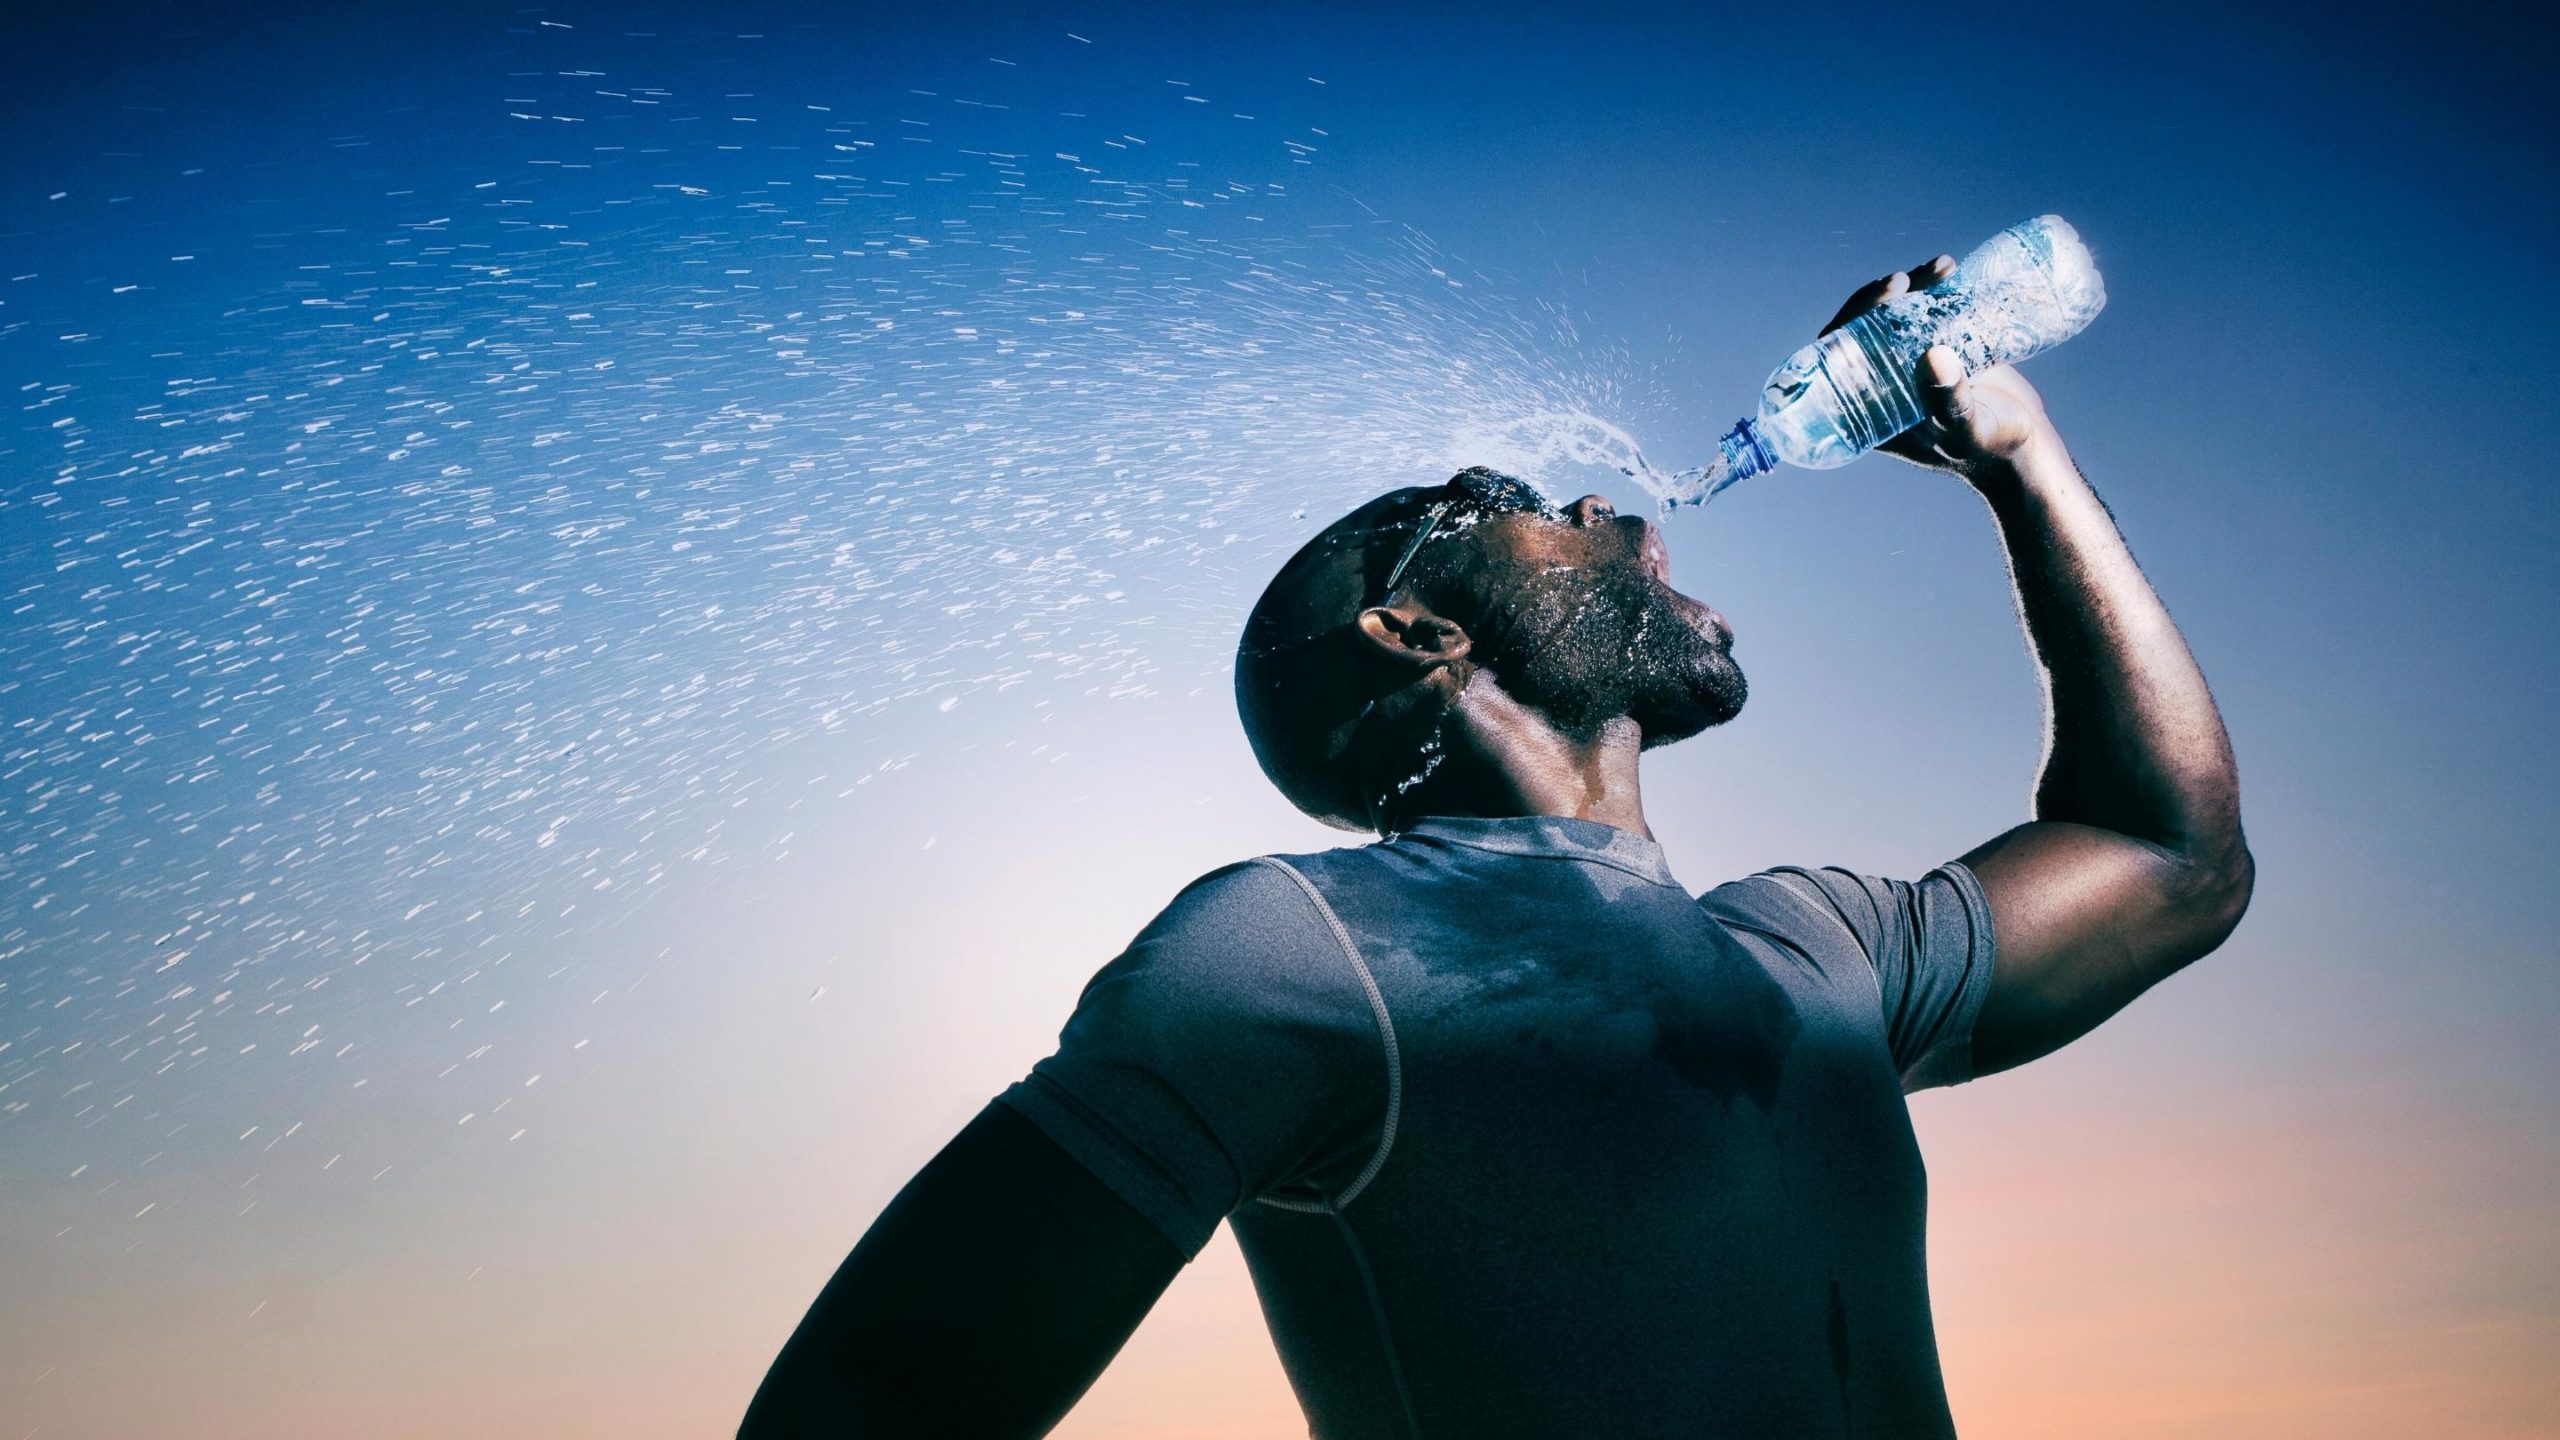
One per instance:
(1715, 694)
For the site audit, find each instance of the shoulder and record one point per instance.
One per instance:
(1814, 907)
(1827, 908)
(1249, 903)
(1799, 896)
(1246, 938)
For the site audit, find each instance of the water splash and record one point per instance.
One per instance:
(1552, 446)
(406, 598)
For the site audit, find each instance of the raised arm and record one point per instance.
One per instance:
(2134, 864)
(982, 1302)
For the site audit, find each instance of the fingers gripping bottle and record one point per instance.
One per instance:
(2025, 290)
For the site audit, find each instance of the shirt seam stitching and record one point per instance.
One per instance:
(1386, 1039)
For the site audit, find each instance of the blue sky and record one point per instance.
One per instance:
(528, 599)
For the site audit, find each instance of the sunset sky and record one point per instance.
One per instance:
(610, 611)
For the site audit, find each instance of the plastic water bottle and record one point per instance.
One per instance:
(2025, 290)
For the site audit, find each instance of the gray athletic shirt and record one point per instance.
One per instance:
(1521, 1139)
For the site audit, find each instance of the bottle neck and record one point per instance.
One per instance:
(1745, 453)
(1740, 455)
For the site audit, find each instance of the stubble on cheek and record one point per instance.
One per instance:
(1585, 647)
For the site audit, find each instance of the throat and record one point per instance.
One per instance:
(1512, 763)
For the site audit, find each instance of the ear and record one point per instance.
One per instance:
(1411, 634)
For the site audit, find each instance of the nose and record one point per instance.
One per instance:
(1590, 510)
(1655, 555)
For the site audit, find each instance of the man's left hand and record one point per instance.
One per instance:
(1975, 423)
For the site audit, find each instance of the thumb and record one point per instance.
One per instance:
(1940, 437)
(1946, 393)
(1942, 383)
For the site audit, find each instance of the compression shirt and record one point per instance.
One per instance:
(1519, 1138)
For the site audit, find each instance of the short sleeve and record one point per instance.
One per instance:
(1931, 945)
(1229, 1052)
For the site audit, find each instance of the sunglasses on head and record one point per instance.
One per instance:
(1472, 491)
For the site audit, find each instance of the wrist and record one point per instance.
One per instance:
(2041, 460)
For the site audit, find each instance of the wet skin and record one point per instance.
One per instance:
(1502, 752)
(1599, 538)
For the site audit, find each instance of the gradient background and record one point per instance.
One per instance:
(2306, 1189)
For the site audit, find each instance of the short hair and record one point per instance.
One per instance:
(1307, 685)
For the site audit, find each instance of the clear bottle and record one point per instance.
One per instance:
(2025, 290)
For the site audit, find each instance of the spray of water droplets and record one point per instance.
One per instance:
(482, 551)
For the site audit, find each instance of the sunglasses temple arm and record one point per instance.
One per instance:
(1413, 547)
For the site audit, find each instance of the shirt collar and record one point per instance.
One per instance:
(1554, 837)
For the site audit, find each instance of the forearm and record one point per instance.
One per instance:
(2134, 743)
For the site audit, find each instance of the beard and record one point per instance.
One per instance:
(1585, 648)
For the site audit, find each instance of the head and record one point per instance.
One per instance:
(1364, 644)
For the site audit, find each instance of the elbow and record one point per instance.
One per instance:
(2216, 893)
(2239, 880)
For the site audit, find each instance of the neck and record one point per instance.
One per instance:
(1504, 760)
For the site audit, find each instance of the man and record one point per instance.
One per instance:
(1518, 1137)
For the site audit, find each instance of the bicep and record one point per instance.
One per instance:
(983, 1301)
(2087, 920)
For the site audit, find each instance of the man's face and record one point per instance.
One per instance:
(1577, 618)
